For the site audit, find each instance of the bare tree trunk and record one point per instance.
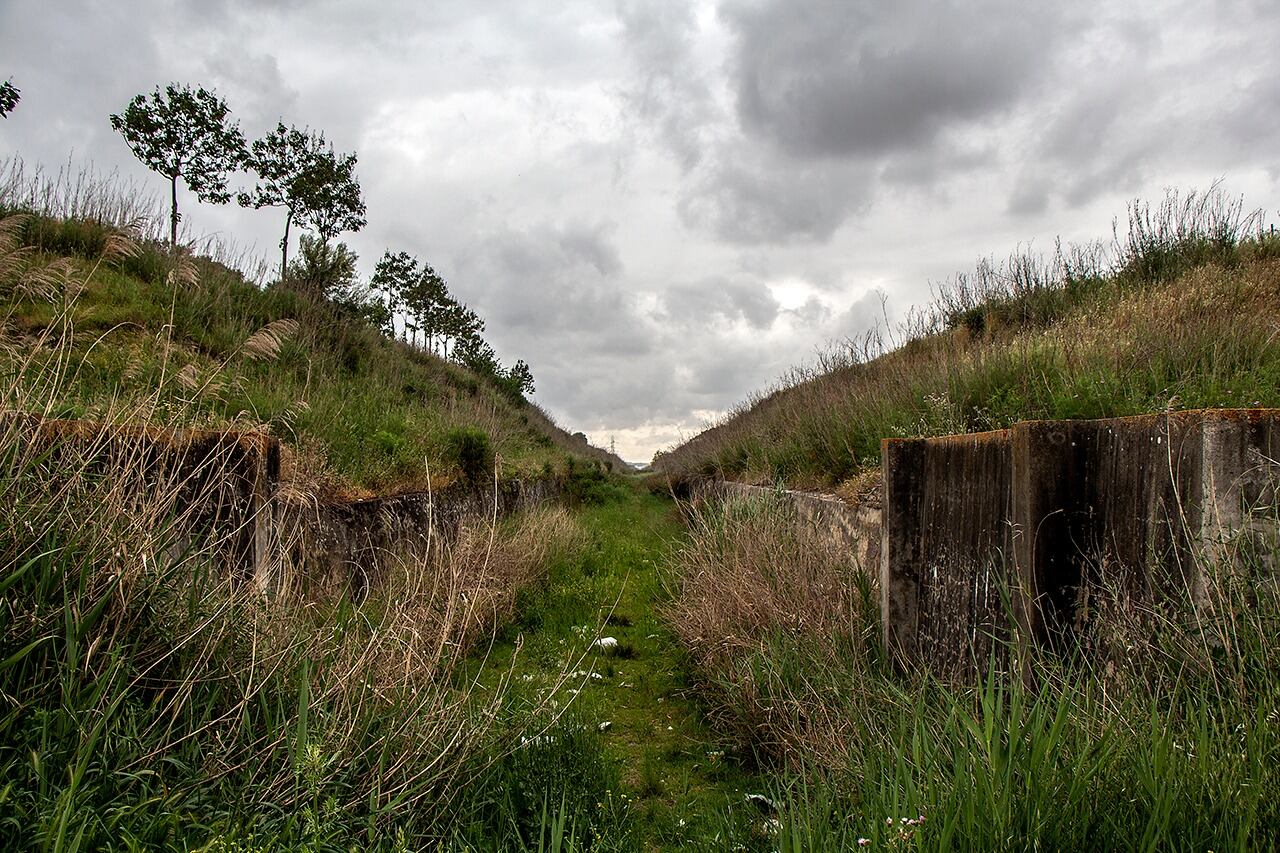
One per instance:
(284, 246)
(173, 213)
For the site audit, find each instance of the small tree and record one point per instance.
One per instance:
(9, 97)
(184, 133)
(520, 378)
(323, 269)
(394, 277)
(475, 354)
(426, 299)
(282, 159)
(459, 323)
(329, 195)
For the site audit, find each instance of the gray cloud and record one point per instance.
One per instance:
(750, 203)
(663, 206)
(699, 303)
(825, 78)
(551, 281)
(669, 89)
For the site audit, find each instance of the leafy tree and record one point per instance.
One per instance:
(9, 97)
(283, 160)
(184, 133)
(355, 300)
(395, 276)
(427, 301)
(458, 323)
(521, 378)
(329, 195)
(475, 354)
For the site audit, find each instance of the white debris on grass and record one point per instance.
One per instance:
(605, 726)
(605, 644)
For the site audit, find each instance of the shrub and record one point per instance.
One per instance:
(469, 449)
(587, 483)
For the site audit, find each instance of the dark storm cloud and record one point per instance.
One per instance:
(1146, 94)
(828, 102)
(669, 91)
(834, 78)
(554, 284)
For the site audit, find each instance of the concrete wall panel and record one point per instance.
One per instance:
(1049, 510)
(945, 557)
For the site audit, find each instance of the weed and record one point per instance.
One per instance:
(1161, 736)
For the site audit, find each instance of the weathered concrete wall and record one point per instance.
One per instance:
(224, 488)
(218, 485)
(945, 553)
(1047, 508)
(855, 528)
(328, 547)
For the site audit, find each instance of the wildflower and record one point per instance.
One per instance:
(864, 842)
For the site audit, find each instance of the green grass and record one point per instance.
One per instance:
(672, 785)
(1160, 734)
(362, 413)
(149, 700)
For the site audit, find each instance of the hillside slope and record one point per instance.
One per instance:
(360, 413)
(1181, 311)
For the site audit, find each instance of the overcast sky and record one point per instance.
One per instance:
(663, 206)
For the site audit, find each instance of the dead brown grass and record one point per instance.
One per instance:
(752, 580)
(118, 596)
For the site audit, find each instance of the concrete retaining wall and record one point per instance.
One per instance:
(983, 538)
(947, 538)
(227, 484)
(328, 547)
(856, 528)
(217, 485)
(1046, 508)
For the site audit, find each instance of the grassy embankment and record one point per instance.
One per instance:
(361, 413)
(150, 700)
(1179, 312)
(1161, 733)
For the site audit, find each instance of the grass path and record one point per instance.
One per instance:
(678, 789)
